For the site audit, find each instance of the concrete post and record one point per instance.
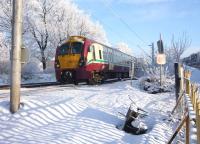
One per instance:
(16, 55)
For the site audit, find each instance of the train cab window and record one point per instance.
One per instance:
(90, 48)
(100, 56)
(76, 47)
(64, 49)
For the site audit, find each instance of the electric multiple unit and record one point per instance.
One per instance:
(81, 59)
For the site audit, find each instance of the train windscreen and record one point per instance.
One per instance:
(64, 49)
(72, 48)
(76, 47)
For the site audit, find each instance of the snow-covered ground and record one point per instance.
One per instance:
(83, 115)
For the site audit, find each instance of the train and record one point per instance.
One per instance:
(192, 60)
(80, 59)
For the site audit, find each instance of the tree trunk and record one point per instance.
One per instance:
(44, 63)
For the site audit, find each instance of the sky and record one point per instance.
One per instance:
(140, 22)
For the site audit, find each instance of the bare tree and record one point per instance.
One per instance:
(123, 47)
(47, 23)
(179, 46)
(39, 28)
(5, 15)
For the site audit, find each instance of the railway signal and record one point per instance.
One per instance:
(160, 46)
(161, 58)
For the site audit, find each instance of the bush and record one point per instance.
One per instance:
(31, 68)
(4, 67)
(152, 84)
(49, 70)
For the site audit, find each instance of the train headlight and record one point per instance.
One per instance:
(57, 64)
(81, 62)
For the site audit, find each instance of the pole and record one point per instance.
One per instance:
(160, 75)
(16, 55)
(132, 71)
(177, 80)
(153, 56)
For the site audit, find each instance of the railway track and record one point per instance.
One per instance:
(44, 84)
(32, 85)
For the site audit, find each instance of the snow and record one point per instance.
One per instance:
(83, 114)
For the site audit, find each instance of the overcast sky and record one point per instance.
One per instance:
(140, 22)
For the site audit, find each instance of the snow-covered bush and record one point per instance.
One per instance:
(31, 67)
(4, 67)
(49, 70)
(4, 79)
(152, 84)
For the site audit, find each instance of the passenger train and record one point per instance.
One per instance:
(192, 60)
(81, 59)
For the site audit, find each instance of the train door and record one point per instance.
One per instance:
(91, 57)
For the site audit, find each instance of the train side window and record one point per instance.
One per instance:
(93, 50)
(100, 56)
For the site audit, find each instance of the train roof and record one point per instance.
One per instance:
(85, 38)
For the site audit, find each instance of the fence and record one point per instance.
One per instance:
(188, 106)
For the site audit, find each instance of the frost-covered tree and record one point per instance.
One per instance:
(5, 16)
(3, 49)
(179, 45)
(54, 21)
(124, 48)
(47, 23)
(4, 58)
(6, 20)
(39, 22)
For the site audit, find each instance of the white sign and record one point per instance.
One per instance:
(25, 55)
(161, 59)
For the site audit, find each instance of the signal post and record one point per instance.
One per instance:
(161, 58)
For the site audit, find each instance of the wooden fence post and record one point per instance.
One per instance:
(181, 89)
(177, 79)
(187, 80)
(178, 128)
(187, 127)
(195, 97)
(198, 121)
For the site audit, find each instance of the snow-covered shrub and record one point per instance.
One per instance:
(49, 70)
(152, 84)
(4, 67)
(4, 79)
(31, 67)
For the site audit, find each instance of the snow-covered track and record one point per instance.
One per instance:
(44, 84)
(32, 85)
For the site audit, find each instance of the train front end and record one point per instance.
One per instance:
(68, 59)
